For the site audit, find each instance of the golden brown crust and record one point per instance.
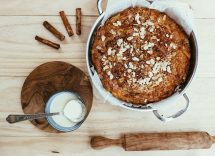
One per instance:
(141, 55)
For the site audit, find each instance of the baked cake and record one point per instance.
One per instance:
(141, 55)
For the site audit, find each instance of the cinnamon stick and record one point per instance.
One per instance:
(78, 21)
(66, 23)
(53, 30)
(47, 42)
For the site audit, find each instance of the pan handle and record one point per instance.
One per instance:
(179, 113)
(99, 6)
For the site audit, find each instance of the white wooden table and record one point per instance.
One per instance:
(21, 20)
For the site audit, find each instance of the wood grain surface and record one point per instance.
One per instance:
(21, 20)
(49, 79)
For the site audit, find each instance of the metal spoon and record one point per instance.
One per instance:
(14, 118)
(17, 118)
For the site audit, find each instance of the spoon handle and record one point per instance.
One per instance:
(17, 118)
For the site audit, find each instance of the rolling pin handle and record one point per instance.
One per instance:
(213, 139)
(99, 142)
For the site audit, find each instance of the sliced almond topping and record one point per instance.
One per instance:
(135, 29)
(145, 47)
(150, 74)
(112, 32)
(109, 51)
(148, 62)
(152, 29)
(168, 69)
(158, 58)
(119, 42)
(129, 70)
(117, 23)
(133, 74)
(130, 38)
(135, 34)
(99, 48)
(110, 75)
(105, 68)
(130, 65)
(135, 59)
(152, 61)
(137, 18)
(150, 44)
(164, 17)
(124, 58)
(160, 79)
(103, 38)
(173, 45)
(171, 36)
(150, 52)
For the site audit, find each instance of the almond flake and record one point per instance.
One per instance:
(135, 59)
(143, 29)
(109, 51)
(158, 58)
(152, 61)
(171, 36)
(150, 74)
(148, 22)
(145, 47)
(173, 45)
(152, 29)
(135, 29)
(124, 58)
(148, 62)
(130, 65)
(137, 18)
(103, 38)
(135, 34)
(164, 17)
(118, 23)
(151, 44)
(99, 48)
(112, 32)
(119, 42)
(129, 70)
(168, 69)
(150, 52)
(105, 68)
(110, 75)
(110, 65)
(130, 38)
(160, 79)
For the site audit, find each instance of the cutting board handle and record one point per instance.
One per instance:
(99, 142)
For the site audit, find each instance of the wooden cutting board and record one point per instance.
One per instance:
(48, 79)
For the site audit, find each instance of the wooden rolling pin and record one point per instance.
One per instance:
(157, 141)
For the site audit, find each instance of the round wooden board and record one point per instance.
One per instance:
(48, 79)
